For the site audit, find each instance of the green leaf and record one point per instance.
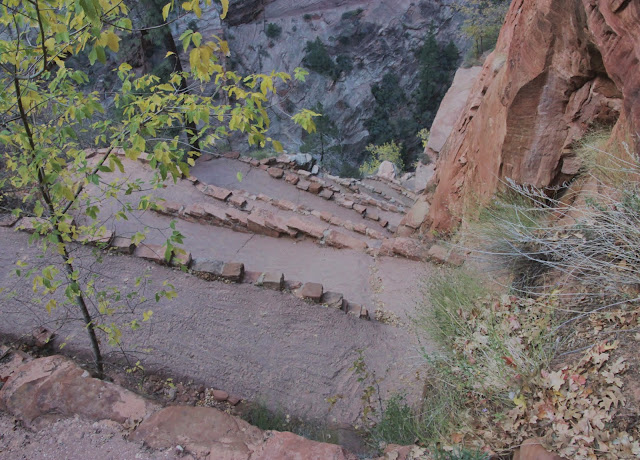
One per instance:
(239, 176)
(89, 8)
(100, 53)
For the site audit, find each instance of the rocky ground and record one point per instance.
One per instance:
(72, 438)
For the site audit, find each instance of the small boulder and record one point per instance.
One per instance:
(218, 193)
(42, 337)
(360, 228)
(7, 220)
(358, 311)
(438, 254)
(361, 209)
(238, 201)
(339, 240)
(220, 395)
(326, 193)
(302, 160)
(307, 227)
(416, 215)
(276, 173)
(532, 449)
(311, 291)
(122, 245)
(315, 188)
(386, 170)
(181, 258)
(409, 248)
(45, 389)
(273, 280)
(152, 252)
(333, 300)
(207, 269)
(293, 179)
(233, 271)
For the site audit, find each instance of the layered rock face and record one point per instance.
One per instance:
(375, 36)
(560, 67)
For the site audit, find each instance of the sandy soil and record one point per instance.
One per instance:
(71, 439)
(255, 343)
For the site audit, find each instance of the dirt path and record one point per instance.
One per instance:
(345, 271)
(71, 439)
(256, 343)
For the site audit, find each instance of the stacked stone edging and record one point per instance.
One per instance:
(228, 271)
(308, 182)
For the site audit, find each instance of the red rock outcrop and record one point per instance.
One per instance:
(559, 68)
(45, 389)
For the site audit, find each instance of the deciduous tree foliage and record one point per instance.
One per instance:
(45, 108)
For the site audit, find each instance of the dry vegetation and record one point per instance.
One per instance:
(550, 352)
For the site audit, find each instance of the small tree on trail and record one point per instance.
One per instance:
(45, 110)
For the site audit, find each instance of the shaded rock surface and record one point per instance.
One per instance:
(376, 37)
(559, 68)
(47, 388)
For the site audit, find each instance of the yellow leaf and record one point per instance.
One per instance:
(50, 43)
(165, 11)
(113, 42)
(520, 401)
(225, 8)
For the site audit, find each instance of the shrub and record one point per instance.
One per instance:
(396, 424)
(258, 414)
(586, 236)
(273, 31)
(317, 58)
(379, 153)
(307, 17)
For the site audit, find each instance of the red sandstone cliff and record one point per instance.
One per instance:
(560, 66)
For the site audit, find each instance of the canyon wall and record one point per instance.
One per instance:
(560, 68)
(375, 36)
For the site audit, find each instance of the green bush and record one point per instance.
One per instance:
(378, 154)
(273, 31)
(317, 58)
(307, 17)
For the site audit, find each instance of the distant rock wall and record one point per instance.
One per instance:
(378, 36)
(559, 68)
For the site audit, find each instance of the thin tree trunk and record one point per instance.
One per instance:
(80, 301)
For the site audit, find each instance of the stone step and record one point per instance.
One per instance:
(327, 189)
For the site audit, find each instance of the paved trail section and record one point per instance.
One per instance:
(252, 342)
